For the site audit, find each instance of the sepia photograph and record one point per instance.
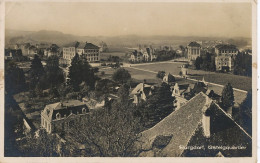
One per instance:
(133, 79)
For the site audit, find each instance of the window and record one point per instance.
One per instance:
(83, 110)
(58, 116)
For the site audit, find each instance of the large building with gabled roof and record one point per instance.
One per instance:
(87, 50)
(199, 128)
(61, 115)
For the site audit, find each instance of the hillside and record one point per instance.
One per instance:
(15, 36)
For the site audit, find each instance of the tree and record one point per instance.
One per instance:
(245, 113)
(80, 71)
(43, 145)
(227, 96)
(121, 75)
(54, 74)
(158, 106)
(103, 86)
(14, 78)
(160, 74)
(243, 64)
(198, 62)
(36, 71)
(182, 49)
(109, 132)
(123, 94)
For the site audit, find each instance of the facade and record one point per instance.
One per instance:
(168, 78)
(136, 56)
(52, 50)
(88, 50)
(225, 55)
(57, 117)
(184, 92)
(141, 92)
(194, 51)
(146, 54)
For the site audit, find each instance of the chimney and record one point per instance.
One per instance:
(206, 117)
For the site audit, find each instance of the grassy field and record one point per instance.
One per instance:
(240, 82)
(150, 77)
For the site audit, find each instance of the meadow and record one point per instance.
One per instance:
(240, 82)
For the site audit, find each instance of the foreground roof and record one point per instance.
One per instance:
(183, 128)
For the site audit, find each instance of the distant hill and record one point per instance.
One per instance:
(44, 36)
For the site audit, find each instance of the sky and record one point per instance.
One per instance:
(132, 18)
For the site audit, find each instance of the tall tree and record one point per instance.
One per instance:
(121, 75)
(123, 94)
(36, 71)
(245, 113)
(158, 106)
(54, 74)
(198, 62)
(80, 71)
(243, 64)
(75, 70)
(227, 96)
(14, 78)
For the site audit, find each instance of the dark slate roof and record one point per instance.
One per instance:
(184, 126)
(81, 45)
(194, 44)
(64, 108)
(224, 131)
(90, 46)
(72, 44)
(226, 47)
(181, 124)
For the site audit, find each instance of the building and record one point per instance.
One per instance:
(225, 55)
(194, 51)
(141, 92)
(88, 50)
(199, 128)
(136, 56)
(61, 115)
(52, 50)
(184, 92)
(168, 78)
(143, 55)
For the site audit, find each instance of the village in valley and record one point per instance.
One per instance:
(154, 95)
(73, 95)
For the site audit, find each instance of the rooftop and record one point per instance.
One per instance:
(184, 126)
(226, 46)
(194, 44)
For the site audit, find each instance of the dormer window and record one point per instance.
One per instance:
(58, 116)
(83, 110)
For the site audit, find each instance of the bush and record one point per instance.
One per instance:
(121, 75)
(160, 74)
